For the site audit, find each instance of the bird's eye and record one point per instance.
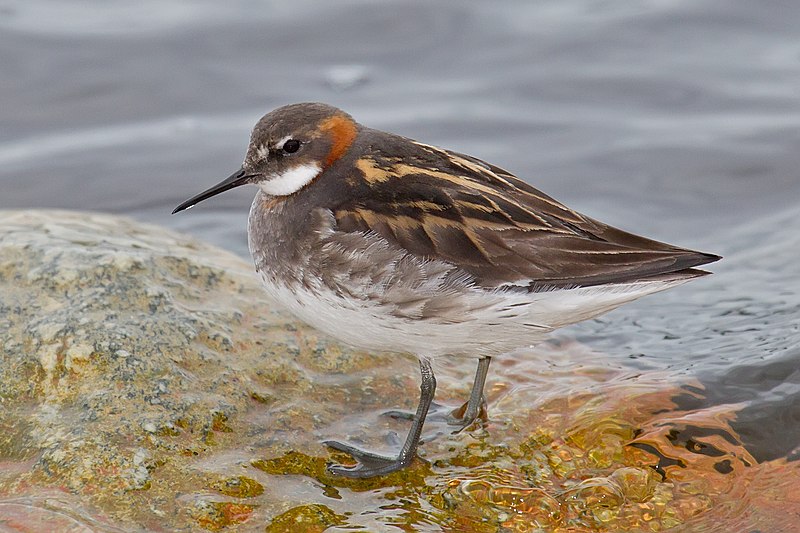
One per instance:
(291, 146)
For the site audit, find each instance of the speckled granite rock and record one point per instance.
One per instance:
(127, 351)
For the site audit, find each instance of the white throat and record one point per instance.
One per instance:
(290, 181)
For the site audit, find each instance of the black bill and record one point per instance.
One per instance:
(236, 179)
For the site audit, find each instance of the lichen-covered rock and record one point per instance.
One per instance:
(128, 352)
(147, 383)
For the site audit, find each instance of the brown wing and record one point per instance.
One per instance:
(456, 208)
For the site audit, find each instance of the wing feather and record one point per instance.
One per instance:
(503, 232)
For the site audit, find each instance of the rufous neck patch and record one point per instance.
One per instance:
(343, 132)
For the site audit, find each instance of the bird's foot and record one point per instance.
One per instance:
(368, 464)
(463, 418)
(437, 412)
(459, 417)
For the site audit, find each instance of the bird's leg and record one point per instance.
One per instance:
(463, 416)
(475, 407)
(370, 464)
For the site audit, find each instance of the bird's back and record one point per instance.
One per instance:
(442, 205)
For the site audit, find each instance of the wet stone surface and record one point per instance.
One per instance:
(129, 354)
(146, 383)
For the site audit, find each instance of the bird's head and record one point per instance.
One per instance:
(289, 148)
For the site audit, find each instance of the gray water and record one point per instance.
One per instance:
(676, 119)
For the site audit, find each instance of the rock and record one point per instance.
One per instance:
(130, 352)
(146, 383)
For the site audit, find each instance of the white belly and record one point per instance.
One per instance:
(492, 322)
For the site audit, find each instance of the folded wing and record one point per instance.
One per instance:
(503, 232)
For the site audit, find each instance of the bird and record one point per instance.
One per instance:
(394, 245)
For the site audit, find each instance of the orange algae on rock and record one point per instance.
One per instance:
(216, 516)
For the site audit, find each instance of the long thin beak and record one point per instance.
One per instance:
(235, 179)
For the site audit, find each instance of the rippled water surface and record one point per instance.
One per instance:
(676, 119)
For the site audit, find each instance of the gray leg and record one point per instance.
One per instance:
(469, 412)
(370, 464)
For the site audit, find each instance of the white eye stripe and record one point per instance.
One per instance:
(290, 181)
(262, 152)
(279, 144)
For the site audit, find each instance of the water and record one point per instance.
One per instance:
(675, 119)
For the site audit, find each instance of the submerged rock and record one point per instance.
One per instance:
(129, 352)
(147, 383)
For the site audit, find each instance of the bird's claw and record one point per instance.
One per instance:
(367, 465)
